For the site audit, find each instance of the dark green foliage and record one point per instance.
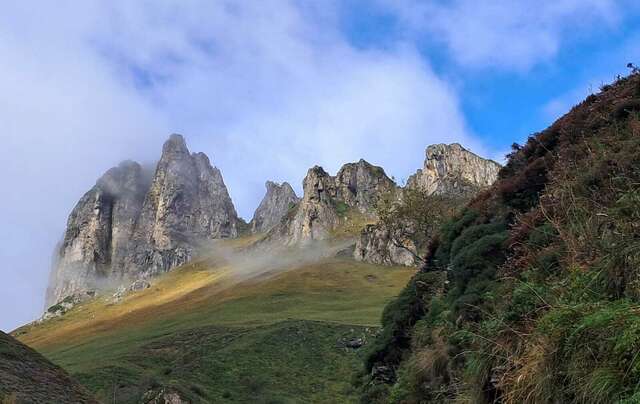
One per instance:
(398, 318)
(342, 208)
(542, 236)
(449, 233)
(543, 302)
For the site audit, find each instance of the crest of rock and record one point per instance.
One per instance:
(273, 207)
(326, 200)
(453, 170)
(127, 228)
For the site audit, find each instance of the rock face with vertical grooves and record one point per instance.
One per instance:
(453, 170)
(99, 232)
(328, 199)
(187, 203)
(278, 200)
(375, 245)
(127, 227)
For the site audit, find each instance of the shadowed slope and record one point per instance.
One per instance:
(28, 377)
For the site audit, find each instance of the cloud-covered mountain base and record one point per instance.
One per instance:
(291, 326)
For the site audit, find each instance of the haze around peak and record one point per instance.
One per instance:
(266, 90)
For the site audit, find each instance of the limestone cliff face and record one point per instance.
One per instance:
(375, 245)
(360, 184)
(187, 203)
(273, 207)
(449, 170)
(326, 200)
(99, 231)
(126, 227)
(453, 170)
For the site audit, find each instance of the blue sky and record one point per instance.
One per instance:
(268, 89)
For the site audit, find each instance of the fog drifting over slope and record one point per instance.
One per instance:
(266, 89)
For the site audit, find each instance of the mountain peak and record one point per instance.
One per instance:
(277, 201)
(175, 145)
(452, 169)
(127, 227)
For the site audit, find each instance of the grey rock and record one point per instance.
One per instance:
(375, 245)
(449, 170)
(359, 185)
(187, 203)
(99, 232)
(278, 200)
(139, 284)
(452, 170)
(163, 395)
(327, 199)
(127, 226)
(62, 307)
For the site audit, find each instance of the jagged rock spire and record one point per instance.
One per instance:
(126, 227)
(278, 200)
(453, 170)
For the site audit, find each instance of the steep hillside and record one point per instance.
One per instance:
(234, 326)
(27, 377)
(531, 293)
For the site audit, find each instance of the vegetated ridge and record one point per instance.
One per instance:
(531, 293)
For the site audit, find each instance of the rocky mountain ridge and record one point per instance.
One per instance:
(134, 225)
(449, 170)
(327, 201)
(453, 170)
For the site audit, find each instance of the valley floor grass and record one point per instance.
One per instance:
(271, 339)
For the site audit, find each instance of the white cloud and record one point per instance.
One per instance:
(267, 89)
(506, 34)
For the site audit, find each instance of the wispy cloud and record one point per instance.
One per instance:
(267, 89)
(509, 35)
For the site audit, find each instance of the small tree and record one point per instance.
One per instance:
(413, 216)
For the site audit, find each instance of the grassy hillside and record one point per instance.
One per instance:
(27, 377)
(532, 293)
(274, 336)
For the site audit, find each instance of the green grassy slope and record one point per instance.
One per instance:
(277, 338)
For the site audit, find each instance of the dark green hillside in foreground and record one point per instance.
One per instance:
(542, 301)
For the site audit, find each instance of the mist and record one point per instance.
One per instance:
(266, 89)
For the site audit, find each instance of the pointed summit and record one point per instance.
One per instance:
(278, 200)
(127, 227)
(175, 145)
(453, 170)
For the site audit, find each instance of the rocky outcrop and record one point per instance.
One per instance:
(278, 200)
(327, 201)
(99, 232)
(454, 171)
(359, 185)
(449, 170)
(187, 203)
(127, 227)
(375, 245)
